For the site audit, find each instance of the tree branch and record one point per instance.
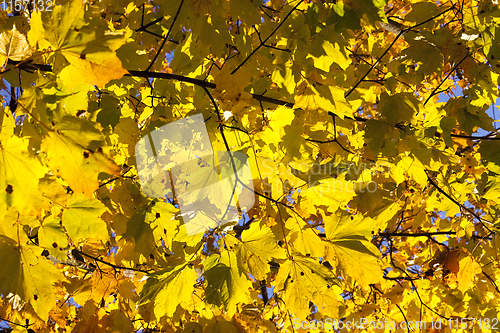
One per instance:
(231, 155)
(473, 137)
(263, 291)
(406, 320)
(420, 234)
(144, 27)
(166, 37)
(110, 264)
(335, 139)
(434, 92)
(263, 42)
(16, 324)
(440, 190)
(390, 47)
(157, 75)
(491, 280)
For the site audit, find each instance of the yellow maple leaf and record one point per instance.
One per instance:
(79, 167)
(28, 275)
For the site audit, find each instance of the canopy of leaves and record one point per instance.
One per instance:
(373, 194)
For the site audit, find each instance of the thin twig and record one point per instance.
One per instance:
(116, 178)
(16, 324)
(406, 320)
(335, 138)
(491, 280)
(148, 75)
(144, 27)
(263, 42)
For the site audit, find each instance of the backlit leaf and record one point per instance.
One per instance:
(301, 280)
(81, 218)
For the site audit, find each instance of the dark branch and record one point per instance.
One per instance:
(261, 98)
(166, 37)
(398, 278)
(198, 82)
(434, 92)
(390, 47)
(335, 138)
(473, 137)
(420, 234)
(406, 320)
(13, 323)
(492, 281)
(110, 264)
(269, 46)
(147, 75)
(263, 42)
(263, 292)
(440, 190)
(116, 178)
(144, 27)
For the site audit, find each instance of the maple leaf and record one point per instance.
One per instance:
(169, 288)
(257, 248)
(81, 218)
(468, 270)
(304, 279)
(227, 285)
(314, 97)
(367, 129)
(28, 275)
(20, 171)
(200, 6)
(78, 166)
(349, 236)
(87, 59)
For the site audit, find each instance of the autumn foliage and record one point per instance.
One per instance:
(375, 196)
